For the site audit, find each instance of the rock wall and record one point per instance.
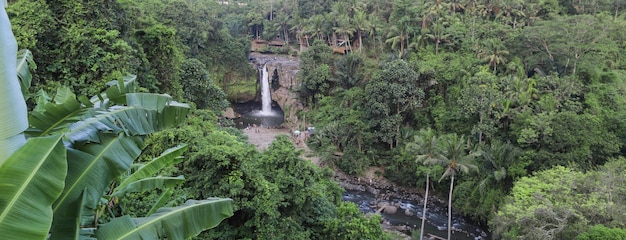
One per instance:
(282, 91)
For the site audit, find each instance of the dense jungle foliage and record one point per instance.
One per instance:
(530, 95)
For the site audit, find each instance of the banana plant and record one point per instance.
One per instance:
(54, 177)
(13, 120)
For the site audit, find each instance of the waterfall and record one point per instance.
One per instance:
(266, 98)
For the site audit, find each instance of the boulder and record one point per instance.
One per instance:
(408, 212)
(231, 114)
(390, 209)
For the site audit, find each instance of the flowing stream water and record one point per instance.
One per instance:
(437, 219)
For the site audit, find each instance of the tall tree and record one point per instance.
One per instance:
(361, 24)
(457, 158)
(426, 148)
(394, 95)
(494, 53)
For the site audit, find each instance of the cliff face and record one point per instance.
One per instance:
(282, 76)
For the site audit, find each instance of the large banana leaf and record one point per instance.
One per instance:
(180, 222)
(24, 64)
(145, 115)
(116, 92)
(67, 226)
(162, 201)
(149, 183)
(168, 158)
(91, 169)
(171, 113)
(13, 120)
(50, 117)
(30, 181)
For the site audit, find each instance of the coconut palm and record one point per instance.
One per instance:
(456, 158)
(316, 26)
(495, 160)
(493, 52)
(437, 33)
(397, 36)
(344, 27)
(375, 25)
(426, 148)
(361, 24)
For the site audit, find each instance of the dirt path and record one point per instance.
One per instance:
(266, 136)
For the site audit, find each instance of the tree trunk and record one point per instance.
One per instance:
(425, 201)
(374, 39)
(480, 133)
(360, 41)
(450, 207)
(286, 36)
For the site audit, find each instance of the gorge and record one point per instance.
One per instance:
(279, 72)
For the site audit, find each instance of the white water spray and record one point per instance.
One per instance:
(266, 98)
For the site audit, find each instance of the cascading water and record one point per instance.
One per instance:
(266, 98)
(264, 115)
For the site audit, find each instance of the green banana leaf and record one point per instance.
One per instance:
(149, 183)
(91, 169)
(171, 113)
(116, 93)
(51, 117)
(163, 199)
(72, 220)
(13, 120)
(25, 63)
(169, 157)
(30, 181)
(180, 222)
(140, 119)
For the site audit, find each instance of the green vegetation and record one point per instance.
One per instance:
(536, 87)
(60, 176)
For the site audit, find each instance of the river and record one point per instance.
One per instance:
(437, 219)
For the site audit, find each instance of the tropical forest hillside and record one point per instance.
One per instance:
(514, 109)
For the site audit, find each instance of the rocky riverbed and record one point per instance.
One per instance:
(401, 207)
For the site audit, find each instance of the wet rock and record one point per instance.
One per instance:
(230, 113)
(283, 72)
(390, 209)
(373, 190)
(408, 212)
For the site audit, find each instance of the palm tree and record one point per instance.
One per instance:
(426, 146)
(496, 158)
(345, 28)
(437, 34)
(493, 52)
(361, 24)
(375, 24)
(397, 35)
(456, 159)
(282, 26)
(316, 25)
